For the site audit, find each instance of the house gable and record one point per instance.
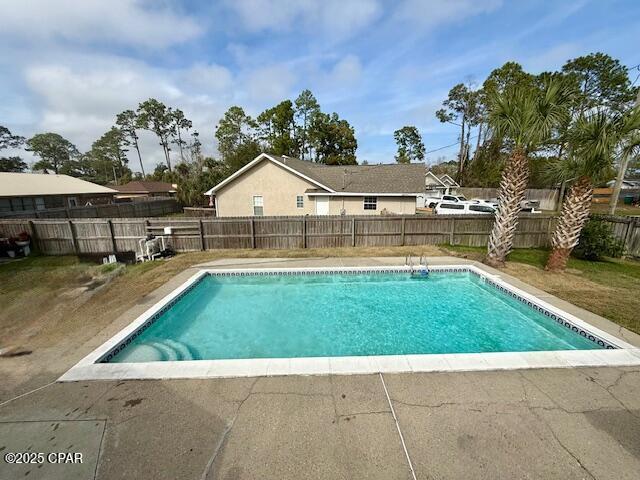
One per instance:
(277, 187)
(448, 181)
(432, 181)
(260, 158)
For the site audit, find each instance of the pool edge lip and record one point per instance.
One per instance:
(449, 362)
(90, 368)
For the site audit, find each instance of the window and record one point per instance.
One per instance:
(72, 201)
(19, 204)
(449, 198)
(39, 203)
(370, 203)
(5, 205)
(299, 201)
(481, 208)
(452, 206)
(258, 206)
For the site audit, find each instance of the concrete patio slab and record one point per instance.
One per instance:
(55, 440)
(301, 435)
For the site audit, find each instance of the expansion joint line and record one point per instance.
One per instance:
(395, 418)
(26, 393)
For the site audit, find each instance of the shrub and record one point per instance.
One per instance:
(597, 241)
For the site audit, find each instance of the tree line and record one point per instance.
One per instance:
(597, 81)
(296, 128)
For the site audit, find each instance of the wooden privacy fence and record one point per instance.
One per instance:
(199, 212)
(149, 208)
(626, 229)
(60, 237)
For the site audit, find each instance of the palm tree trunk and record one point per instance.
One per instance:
(511, 193)
(575, 213)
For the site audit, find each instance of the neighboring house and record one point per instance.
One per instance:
(138, 188)
(32, 191)
(437, 185)
(275, 185)
(627, 184)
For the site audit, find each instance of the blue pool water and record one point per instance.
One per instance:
(285, 316)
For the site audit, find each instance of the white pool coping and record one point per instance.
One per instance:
(90, 368)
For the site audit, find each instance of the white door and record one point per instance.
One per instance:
(322, 205)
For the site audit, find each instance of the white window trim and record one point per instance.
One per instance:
(364, 203)
(299, 201)
(256, 205)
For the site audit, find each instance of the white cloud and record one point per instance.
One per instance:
(209, 77)
(552, 58)
(337, 18)
(124, 22)
(269, 84)
(81, 98)
(434, 13)
(346, 72)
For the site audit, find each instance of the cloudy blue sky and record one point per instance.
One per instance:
(70, 66)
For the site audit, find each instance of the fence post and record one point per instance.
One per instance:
(353, 232)
(402, 229)
(201, 235)
(453, 231)
(113, 237)
(34, 235)
(74, 240)
(304, 231)
(253, 233)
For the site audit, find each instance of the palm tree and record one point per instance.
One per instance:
(526, 118)
(593, 141)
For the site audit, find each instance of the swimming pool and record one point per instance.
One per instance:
(273, 321)
(334, 315)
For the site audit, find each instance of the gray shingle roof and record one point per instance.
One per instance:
(144, 186)
(386, 178)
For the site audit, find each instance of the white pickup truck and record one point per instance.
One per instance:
(432, 201)
(467, 208)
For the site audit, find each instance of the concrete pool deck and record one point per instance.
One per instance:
(540, 423)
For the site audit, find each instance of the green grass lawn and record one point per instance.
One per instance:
(621, 209)
(600, 272)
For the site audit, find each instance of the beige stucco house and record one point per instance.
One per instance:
(279, 185)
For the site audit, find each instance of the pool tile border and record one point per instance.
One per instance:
(97, 364)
